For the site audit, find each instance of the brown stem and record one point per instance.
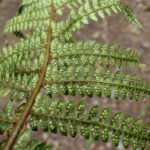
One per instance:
(12, 139)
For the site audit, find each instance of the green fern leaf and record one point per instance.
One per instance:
(85, 83)
(32, 145)
(46, 62)
(93, 125)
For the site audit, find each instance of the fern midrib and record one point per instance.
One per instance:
(19, 71)
(82, 121)
(29, 20)
(16, 53)
(70, 54)
(80, 17)
(15, 133)
(2, 85)
(103, 82)
(8, 121)
(93, 123)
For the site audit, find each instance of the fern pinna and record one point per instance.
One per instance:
(47, 62)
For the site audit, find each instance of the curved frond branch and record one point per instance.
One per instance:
(94, 54)
(22, 71)
(129, 15)
(17, 84)
(79, 18)
(70, 119)
(24, 52)
(65, 30)
(102, 82)
(14, 26)
(14, 54)
(84, 79)
(65, 117)
(76, 53)
(7, 121)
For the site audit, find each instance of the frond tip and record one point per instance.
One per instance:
(60, 115)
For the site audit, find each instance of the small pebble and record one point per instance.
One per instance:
(146, 45)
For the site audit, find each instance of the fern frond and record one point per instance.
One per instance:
(22, 54)
(28, 21)
(46, 62)
(86, 53)
(81, 79)
(129, 14)
(37, 15)
(17, 85)
(71, 68)
(59, 115)
(31, 145)
(27, 2)
(37, 5)
(20, 65)
(33, 6)
(65, 30)
(63, 117)
(6, 117)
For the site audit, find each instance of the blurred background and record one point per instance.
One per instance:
(112, 30)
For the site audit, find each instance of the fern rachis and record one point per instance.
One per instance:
(47, 62)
